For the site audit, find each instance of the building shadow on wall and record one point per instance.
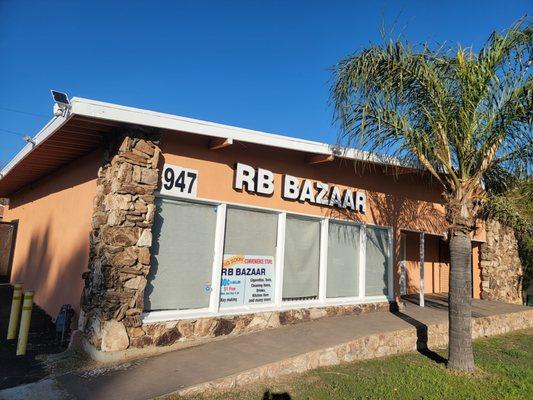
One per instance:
(396, 212)
(56, 281)
(400, 212)
(404, 213)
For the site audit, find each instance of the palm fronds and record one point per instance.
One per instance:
(455, 111)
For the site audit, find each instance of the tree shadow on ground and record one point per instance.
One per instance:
(421, 337)
(268, 395)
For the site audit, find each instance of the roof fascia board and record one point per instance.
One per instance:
(52, 125)
(113, 112)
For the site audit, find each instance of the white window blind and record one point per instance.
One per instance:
(343, 260)
(377, 261)
(250, 232)
(302, 259)
(182, 256)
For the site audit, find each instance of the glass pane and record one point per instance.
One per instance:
(343, 260)
(182, 256)
(302, 259)
(249, 251)
(377, 261)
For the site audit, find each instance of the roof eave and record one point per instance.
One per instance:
(112, 112)
(53, 125)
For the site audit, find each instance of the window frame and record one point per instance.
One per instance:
(252, 307)
(213, 310)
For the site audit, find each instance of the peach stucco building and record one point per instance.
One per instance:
(186, 219)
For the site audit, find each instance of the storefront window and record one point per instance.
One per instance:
(249, 253)
(377, 261)
(343, 260)
(182, 256)
(183, 253)
(302, 259)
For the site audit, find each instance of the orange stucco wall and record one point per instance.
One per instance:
(476, 270)
(406, 202)
(434, 265)
(54, 221)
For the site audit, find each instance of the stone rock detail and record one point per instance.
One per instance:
(378, 345)
(501, 269)
(119, 259)
(114, 336)
(167, 333)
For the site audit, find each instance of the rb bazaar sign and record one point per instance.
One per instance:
(261, 181)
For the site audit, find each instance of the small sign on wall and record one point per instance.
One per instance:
(246, 280)
(179, 181)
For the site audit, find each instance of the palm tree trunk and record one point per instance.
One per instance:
(460, 354)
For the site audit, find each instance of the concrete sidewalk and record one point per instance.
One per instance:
(187, 368)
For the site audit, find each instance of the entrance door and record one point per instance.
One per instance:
(8, 232)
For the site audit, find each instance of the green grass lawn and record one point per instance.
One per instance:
(505, 371)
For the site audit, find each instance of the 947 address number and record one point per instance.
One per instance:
(179, 181)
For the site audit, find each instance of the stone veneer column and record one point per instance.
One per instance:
(119, 260)
(501, 268)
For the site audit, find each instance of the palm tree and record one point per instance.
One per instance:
(458, 114)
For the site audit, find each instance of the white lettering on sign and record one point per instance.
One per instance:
(306, 194)
(179, 181)
(322, 193)
(265, 181)
(244, 178)
(261, 181)
(247, 178)
(290, 187)
(360, 203)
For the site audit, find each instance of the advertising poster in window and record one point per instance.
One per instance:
(246, 280)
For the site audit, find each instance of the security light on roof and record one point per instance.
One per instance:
(62, 103)
(60, 97)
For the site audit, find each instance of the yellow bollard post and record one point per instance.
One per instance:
(15, 312)
(25, 323)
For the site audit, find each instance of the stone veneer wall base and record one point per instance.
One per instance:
(176, 335)
(160, 337)
(135, 353)
(373, 346)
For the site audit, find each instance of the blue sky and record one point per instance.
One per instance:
(260, 65)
